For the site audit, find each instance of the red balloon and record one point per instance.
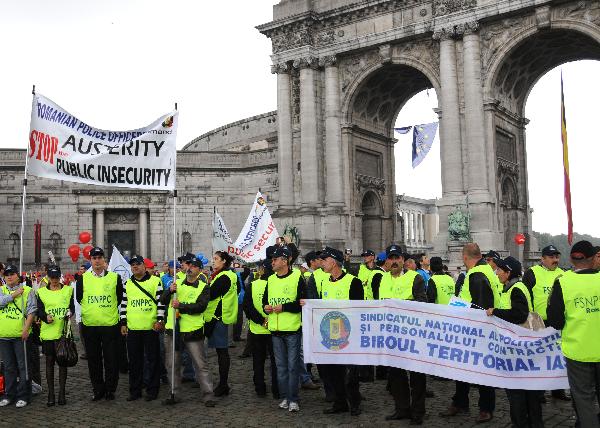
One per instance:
(74, 251)
(519, 239)
(85, 237)
(86, 251)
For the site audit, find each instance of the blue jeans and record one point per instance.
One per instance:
(13, 355)
(287, 358)
(304, 375)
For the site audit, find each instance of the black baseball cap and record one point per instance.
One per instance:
(186, 257)
(310, 256)
(333, 253)
(195, 261)
(583, 250)
(10, 270)
(550, 250)
(54, 271)
(281, 251)
(394, 250)
(136, 260)
(368, 253)
(492, 255)
(510, 264)
(270, 250)
(96, 251)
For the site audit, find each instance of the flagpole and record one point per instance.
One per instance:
(174, 274)
(21, 246)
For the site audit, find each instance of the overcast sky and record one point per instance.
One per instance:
(120, 64)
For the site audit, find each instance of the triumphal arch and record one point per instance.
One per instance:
(344, 70)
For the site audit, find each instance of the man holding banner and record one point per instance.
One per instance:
(409, 399)
(99, 292)
(341, 286)
(515, 305)
(478, 289)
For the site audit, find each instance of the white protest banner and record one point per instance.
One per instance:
(258, 233)
(455, 343)
(118, 264)
(221, 239)
(63, 147)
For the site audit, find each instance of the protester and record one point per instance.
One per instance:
(573, 308)
(480, 290)
(409, 397)
(364, 270)
(99, 293)
(142, 317)
(221, 312)
(281, 302)
(343, 378)
(423, 268)
(262, 344)
(441, 287)
(188, 302)
(55, 307)
(515, 305)
(539, 280)
(17, 311)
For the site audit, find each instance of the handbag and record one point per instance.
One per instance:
(65, 348)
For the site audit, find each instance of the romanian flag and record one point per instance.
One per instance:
(563, 134)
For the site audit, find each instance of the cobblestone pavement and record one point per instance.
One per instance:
(243, 408)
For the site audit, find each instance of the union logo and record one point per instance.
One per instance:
(335, 330)
(168, 122)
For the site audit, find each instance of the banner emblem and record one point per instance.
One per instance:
(335, 331)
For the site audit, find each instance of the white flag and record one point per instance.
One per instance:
(119, 265)
(258, 233)
(220, 239)
(62, 147)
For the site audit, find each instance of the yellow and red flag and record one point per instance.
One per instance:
(563, 135)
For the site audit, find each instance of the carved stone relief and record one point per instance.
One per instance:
(444, 7)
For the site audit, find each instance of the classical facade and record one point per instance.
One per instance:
(346, 68)
(325, 158)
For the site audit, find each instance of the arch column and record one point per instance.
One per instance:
(450, 141)
(308, 131)
(285, 163)
(333, 138)
(144, 232)
(99, 232)
(474, 117)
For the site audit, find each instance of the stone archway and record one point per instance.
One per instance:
(372, 101)
(338, 67)
(513, 70)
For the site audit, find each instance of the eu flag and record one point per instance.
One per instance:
(423, 136)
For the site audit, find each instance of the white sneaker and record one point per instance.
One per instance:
(4, 402)
(294, 407)
(21, 403)
(283, 404)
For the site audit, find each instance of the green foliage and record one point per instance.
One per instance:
(560, 241)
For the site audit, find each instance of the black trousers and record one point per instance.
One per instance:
(409, 396)
(143, 348)
(345, 385)
(239, 324)
(261, 347)
(525, 408)
(487, 397)
(102, 345)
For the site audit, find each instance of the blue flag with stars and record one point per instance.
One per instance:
(423, 136)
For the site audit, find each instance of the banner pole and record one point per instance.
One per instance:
(24, 196)
(174, 275)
